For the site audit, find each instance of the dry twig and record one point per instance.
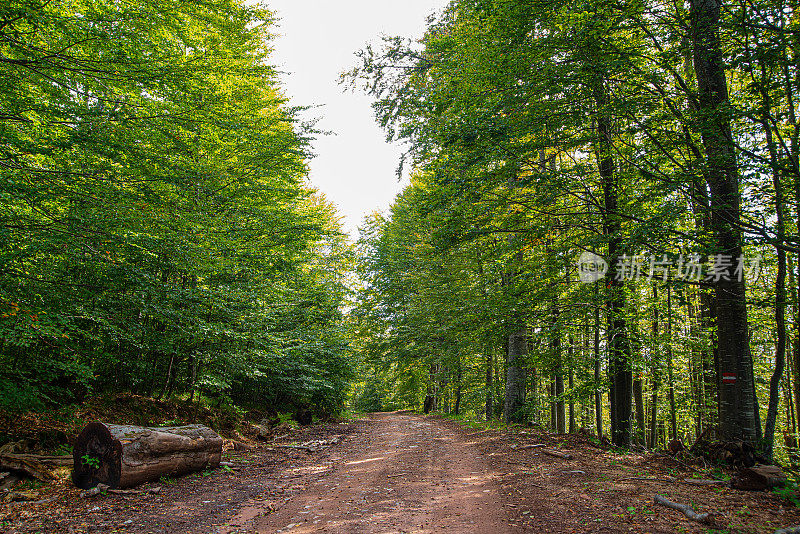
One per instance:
(687, 510)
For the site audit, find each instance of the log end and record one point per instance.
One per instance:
(759, 478)
(96, 457)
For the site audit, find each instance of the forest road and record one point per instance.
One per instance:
(407, 474)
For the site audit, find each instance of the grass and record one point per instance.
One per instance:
(286, 417)
(789, 493)
(471, 420)
(29, 484)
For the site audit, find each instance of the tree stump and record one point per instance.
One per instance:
(124, 456)
(759, 478)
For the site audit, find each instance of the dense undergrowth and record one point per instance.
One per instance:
(54, 431)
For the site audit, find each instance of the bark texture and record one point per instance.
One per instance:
(125, 456)
(618, 345)
(737, 403)
(516, 376)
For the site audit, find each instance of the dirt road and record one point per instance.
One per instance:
(407, 474)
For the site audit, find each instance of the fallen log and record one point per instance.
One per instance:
(666, 480)
(122, 456)
(102, 489)
(698, 482)
(556, 454)
(241, 446)
(28, 466)
(299, 447)
(45, 459)
(688, 511)
(759, 478)
(9, 480)
(788, 530)
(19, 496)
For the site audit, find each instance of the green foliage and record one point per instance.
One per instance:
(789, 493)
(91, 461)
(500, 104)
(372, 397)
(156, 231)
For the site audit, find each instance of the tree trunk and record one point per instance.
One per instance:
(192, 375)
(737, 403)
(516, 375)
(126, 456)
(790, 434)
(780, 305)
(489, 385)
(533, 401)
(570, 354)
(172, 376)
(598, 392)
(167, 384)
(696, 364)
(459, 376)
(656, 372)
(638, 397)
(618, 346)
(673, 416)
(558, 393)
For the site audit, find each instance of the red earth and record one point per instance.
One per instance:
(405, 473)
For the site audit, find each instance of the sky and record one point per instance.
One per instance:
(316, 41)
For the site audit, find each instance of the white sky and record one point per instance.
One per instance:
(355, 168)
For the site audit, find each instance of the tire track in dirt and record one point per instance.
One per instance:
(407, 474)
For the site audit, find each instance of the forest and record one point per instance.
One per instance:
(158, 235)
(600, 233)
(581, 312)
(551, 143)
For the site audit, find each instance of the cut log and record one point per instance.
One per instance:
(759, 478)
(28, 466)
(688, 511)
(556, 454)
(125, 456)
(675, 446)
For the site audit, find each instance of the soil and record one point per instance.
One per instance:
(400, 472)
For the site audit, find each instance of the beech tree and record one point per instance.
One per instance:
(659, 137)
(157, 233)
